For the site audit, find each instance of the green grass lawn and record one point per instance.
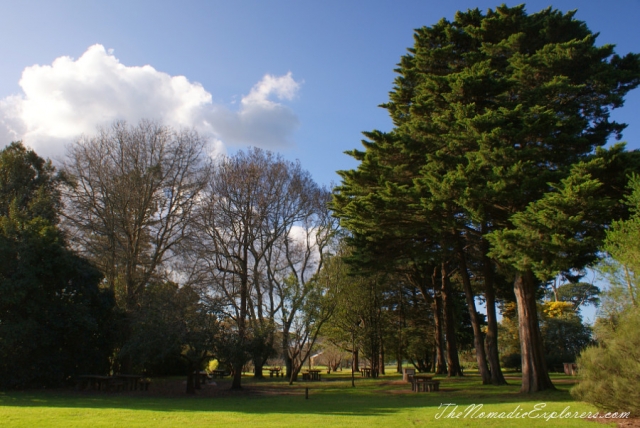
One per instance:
(273, 403)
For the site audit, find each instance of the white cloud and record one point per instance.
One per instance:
(70, 97)
(284, 87)
(260, 121)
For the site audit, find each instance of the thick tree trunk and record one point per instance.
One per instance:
(288, 363)
(237, 376)
(491, 342)
(535, 376)
(453, 362)
(258, 368)
(441, 364)
(293, 376)
(478, 339)
(355, 361)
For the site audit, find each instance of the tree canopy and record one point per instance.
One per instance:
(54, 317)
(494, 114)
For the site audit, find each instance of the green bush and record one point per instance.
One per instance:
(610, 372)
(511, 361)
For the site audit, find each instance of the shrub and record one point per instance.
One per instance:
(511, 361)
(610, 372)
(212, 365)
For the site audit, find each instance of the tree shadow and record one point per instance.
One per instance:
(325, 398)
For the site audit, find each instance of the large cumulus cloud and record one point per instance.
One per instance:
(70, 97)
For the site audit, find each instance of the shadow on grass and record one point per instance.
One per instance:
(371, 397)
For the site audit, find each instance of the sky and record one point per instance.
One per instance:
(303, 78)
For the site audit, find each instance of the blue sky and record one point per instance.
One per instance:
(303, 78)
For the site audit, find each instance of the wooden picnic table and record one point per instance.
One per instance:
(218, 374)
(203, 376)
(311, 375)
(112, 383)
(365, 372)
(424, 383)
(275, 370)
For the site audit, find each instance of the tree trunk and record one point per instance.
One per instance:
(478, 339)
(237, 376)
(196, 377)
(355, 361)
(244, 290)
(493, 356)
(293, 377)
(491, 342)
(190, 381)
(258, 364)
(288, 364)
(453, 362)
(441, 364)
(535, 376)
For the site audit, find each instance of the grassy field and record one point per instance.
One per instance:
(383, 402)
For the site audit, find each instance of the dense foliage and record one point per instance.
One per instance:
(493, 168)
(610, 373)
(54, 316)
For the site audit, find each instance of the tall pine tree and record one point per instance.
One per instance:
(491, 112)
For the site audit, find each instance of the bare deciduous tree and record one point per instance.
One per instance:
(252, 203)
(132, 196)
(293, 265)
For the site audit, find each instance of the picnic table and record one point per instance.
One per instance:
(424, 383)
(311, 375)
(368, 372)
(218, 374)
(112, 383)
(275, 370)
